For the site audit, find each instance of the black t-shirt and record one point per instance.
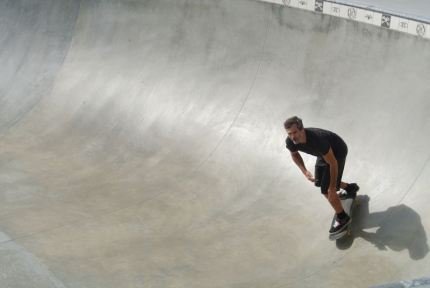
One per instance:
(318, 143)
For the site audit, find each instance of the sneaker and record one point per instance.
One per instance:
(343, 194)
(351, 190)
(339, 225)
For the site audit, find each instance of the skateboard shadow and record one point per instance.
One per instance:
(397, 228)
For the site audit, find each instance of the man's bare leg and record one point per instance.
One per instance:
(335, 203)
(335, 200)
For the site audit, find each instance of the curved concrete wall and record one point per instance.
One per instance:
(152, 153)
(34, 36)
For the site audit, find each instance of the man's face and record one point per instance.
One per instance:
(295, 134)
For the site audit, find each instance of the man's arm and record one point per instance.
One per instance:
(297, 158)
(331, 160)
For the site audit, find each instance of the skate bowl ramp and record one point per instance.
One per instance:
(142, 145)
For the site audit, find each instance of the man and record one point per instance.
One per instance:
(331, 153)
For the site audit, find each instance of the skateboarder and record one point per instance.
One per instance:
(331, 152)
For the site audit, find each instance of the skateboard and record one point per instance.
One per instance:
(348, 205)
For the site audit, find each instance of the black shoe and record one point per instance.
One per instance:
(351, 190)
(339, 225)
(343, 194)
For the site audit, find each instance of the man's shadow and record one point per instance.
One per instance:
(397, 228)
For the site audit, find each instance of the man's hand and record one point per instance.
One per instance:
(309, 176)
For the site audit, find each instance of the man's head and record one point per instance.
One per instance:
(295, 131)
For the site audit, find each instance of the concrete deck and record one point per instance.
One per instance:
(141, 145)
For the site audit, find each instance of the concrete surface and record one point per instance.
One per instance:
(142, 145)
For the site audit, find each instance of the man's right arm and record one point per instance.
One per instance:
(297, 158)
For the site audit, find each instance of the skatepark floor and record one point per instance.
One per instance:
(142, 145)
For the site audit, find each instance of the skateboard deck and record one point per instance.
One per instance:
(348, 205)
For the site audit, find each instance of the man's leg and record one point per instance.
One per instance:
(332, 198)
(335, 202)
(342, 218)
(350, 188)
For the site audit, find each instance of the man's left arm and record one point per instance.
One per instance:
(331, 160)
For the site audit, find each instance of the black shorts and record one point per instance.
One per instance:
(322, 173)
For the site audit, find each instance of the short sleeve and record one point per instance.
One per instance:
(290, 145)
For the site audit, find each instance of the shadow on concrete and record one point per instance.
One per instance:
(397, 228)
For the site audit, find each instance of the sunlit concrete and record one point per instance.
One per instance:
(142, 145)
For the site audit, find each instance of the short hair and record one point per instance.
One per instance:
(293, 121)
